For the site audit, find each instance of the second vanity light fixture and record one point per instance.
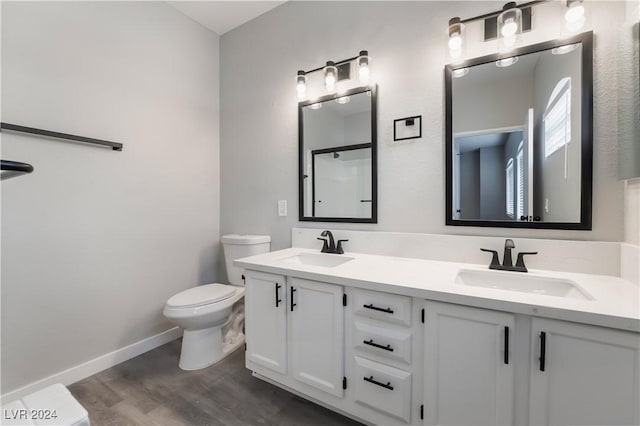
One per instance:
(507, 26)
(331, 74)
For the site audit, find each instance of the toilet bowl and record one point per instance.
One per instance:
(212, 315)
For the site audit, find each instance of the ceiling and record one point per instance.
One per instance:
(223, 16)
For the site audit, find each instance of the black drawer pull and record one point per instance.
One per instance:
(370, 343)
(375, 382)
(292, 304)
(506, 345)
(543, 349)
(375, 308)
(278, 300)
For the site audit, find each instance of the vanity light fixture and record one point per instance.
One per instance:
(333, 73)
(509, 27)
(574, 16)
(301, 85)
(343, 100)
(317, 105)
(363, 67)
(506, 62)
(456, 40)
(460, 72)
(330, 76)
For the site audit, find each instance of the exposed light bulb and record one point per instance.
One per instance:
(363, 67)
(301, 85)
(574, 17)
(330, 76)
(509, 28)
(343, 100)
(455, 42)
(317, 105)
(509, 41)
(456, 38)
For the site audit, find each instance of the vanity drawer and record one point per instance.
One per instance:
(387, 307)
(382, 388)
(383, 342)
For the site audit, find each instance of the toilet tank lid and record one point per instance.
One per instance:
(245, 239)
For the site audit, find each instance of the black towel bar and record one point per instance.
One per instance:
(31, 130)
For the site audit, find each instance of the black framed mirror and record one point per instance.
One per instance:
(337, 136)
(519, 137)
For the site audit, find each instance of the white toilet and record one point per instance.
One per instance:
(212, 315)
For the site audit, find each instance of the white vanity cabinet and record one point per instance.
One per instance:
(382, 348)
(295, 328)
(266, 320)
(392, 359)
(582, 374)
(316, 330)
(468, 366)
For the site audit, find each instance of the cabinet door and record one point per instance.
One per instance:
(316, 324)
(266, 320)
(468, 367)
(590, 375)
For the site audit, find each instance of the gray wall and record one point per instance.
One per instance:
(95, 241)
(407, 44)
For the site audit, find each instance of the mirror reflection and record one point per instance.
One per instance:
(337, 158)
(516, 138)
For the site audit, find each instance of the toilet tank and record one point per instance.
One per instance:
(237, 246)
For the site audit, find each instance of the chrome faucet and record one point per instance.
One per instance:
(507, 261)
(329, 246)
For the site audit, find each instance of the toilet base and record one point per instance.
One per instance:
(205, 347)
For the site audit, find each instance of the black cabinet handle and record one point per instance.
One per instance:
(278, 300)
(543, 349)
(292, 304)
(506, 345)
(375, 382)
(371, 343)
(375, 308)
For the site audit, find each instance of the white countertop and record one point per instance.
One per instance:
(616, 302)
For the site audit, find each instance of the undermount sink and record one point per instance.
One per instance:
(318, 259)
(521, 282)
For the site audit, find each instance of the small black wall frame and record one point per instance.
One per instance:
(408, 121)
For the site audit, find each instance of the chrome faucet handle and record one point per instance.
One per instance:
(495, 263)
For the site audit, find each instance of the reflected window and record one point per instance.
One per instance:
(509, 186)
(557, 118)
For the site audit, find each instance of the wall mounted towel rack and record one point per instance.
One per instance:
(12, 169)
(31, 130)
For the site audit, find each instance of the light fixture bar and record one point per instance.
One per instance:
(344, 61)
(498, 12)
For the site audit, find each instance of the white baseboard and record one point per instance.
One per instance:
(96, 365)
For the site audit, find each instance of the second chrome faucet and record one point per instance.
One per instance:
(507, 261)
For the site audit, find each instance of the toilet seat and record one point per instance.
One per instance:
(201, 295)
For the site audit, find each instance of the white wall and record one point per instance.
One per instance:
(407, 45)
(94, 241)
